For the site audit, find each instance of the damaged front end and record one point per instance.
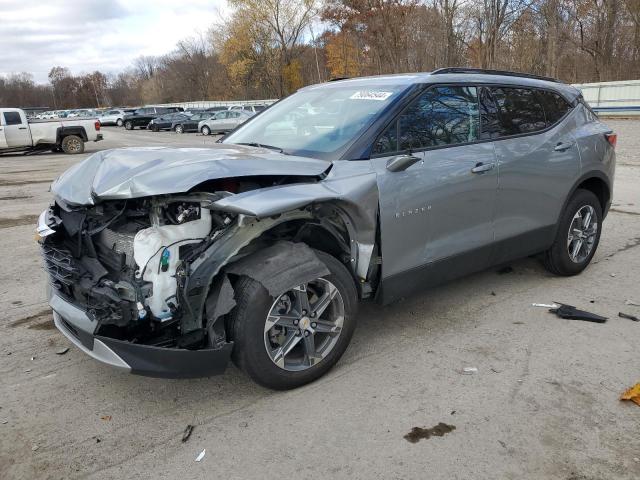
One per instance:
(117, 273)
(142, 246)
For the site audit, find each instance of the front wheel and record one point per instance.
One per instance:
(119, 122)
(72, 144)
(128, 125)
(577, 237)
(294, 338)
(179, 129)
(205, 130)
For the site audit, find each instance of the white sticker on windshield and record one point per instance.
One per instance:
(370, 95)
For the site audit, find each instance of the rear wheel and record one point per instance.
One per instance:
(72, 144)
(205, 130)
(577, 237)
(128, 125)
(119, 122)
(291, 339)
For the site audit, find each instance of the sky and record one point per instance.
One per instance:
(88, 35)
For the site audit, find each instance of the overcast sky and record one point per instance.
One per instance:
(88, 35)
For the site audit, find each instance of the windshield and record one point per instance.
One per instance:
(317, 122)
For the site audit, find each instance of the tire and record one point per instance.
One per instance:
(248, 320)
(179, 129)
(205, 130)
(558, 259)
(119, 122)
(128, 125)
(72, 144)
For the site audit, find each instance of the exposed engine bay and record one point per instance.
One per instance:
(126, 261)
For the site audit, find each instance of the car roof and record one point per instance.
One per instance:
(443, 76)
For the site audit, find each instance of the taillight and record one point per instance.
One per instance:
(97, 125)
(612, 138)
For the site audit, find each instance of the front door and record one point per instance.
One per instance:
(16, 129)
(436, 216)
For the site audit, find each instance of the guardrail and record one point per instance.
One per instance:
(621, 99)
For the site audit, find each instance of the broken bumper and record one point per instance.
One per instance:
(78, 326)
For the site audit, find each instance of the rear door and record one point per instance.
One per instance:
(538, 161)
(436, 215)
(16, 129)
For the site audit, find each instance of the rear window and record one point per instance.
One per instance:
(555, 107)
(12, 118)
(520, 110)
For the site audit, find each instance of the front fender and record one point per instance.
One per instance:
(209, 263)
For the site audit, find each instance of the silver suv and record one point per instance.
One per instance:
(171, 261)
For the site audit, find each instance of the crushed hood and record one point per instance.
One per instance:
(144, 171)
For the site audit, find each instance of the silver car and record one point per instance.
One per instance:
(171, 261)
(223, 121)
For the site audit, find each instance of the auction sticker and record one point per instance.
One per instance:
(370, 95)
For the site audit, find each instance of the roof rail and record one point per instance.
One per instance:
(492, 72)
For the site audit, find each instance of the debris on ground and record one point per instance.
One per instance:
(632, 302)
(416, 434)
(628, 316)
(106, 418)
(545, 305)
(469, 370)
(612, 274)
(503, 270)
(633, 394)
(34, 448)
(62, 351)
(187, 433)
(569, 312)
(201, 455)
(493, 294)
(243, 425)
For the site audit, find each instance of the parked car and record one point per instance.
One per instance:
(253, 109)
(142, 116)
(223, 121)
(83, 112)
(190, 124)
(164, 122)
(217, 109)
(113, 117)
(17, 134)
(259, 248)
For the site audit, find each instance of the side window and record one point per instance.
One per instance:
(12, 118)
(490, 126)
(520, 110)
(440, 116)
(554, 105)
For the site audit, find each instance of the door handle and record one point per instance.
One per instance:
(22, 128)
(482, 167)
(561, 147)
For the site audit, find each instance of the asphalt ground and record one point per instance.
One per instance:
(543, 404)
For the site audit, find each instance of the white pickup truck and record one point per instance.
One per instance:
(17, 134)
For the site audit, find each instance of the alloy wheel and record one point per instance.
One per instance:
(304, 325)
(582, 234)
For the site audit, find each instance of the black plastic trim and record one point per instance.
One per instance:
(151, 361)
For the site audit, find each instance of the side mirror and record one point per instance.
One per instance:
(400, 163)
